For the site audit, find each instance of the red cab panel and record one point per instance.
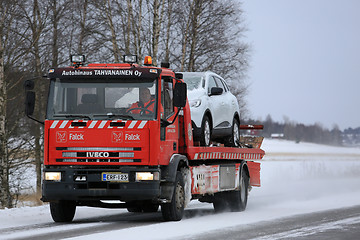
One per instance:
(92, 142)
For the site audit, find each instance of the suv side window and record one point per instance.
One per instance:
(211, 84)
(226, 87)
(220, 84)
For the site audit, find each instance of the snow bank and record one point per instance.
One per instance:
(277, 146)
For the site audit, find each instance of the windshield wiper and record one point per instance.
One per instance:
(112, 116)
(74, 116)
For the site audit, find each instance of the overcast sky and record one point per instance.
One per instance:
(306, 60)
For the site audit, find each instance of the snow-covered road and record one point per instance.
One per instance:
(296, 179)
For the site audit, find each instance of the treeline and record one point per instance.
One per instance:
(351, 136)
(298, 132)
(193, 35)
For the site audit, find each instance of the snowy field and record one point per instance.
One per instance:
(296, 179)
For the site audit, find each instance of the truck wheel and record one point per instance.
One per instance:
(62, 211)
(174, 210)
(220, 203)
(238, 198)
(234, 138)
(205, 132)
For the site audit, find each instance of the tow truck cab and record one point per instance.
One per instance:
(101, 143)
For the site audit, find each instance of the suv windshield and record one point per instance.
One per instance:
(194, 80)
(102, 99)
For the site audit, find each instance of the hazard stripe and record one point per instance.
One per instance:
(135, 124)
(63, 124)
(142, 124)
(102, 124)
(132, 124)
(92, 124)
(53, 125)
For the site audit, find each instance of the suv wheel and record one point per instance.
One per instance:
(234, 138)
(205, 132)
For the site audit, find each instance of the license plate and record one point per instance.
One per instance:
(114, 177)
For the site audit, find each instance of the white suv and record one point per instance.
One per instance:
(214, 109)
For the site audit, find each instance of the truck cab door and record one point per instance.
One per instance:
(169, 135)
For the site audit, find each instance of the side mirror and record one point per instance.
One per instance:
(29, 103)
(179, 75)
(216, 91)
(180, 94)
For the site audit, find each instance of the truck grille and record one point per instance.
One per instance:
(98, 160)
(98, 154)
(99, 148)
(92, 154)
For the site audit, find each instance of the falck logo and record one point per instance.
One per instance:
(116, 137)
(61, 137)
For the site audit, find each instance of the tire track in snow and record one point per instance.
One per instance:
(330, 224)
(80, 227)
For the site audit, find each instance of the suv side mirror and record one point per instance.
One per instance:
(180, 94)
(29, 103)
(216, 91)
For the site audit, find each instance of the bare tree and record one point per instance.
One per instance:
(128, 27)
(156, 26)
(137, 28)
(83, 32)
(58, 10)
(35, 17)
(185, 35)
(211, 39)
(109, 17)
(168, 29)
(5, 197)
(11, 51)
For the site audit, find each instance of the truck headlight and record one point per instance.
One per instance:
(53, 176)
(147, 176)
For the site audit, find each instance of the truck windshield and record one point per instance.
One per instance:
(102, 99)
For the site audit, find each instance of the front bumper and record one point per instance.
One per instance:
(96, 189)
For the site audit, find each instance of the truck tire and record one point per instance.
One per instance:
(62, 211)
(220, 203)
(234, 138)
(174, 210)
(238, 198)
(205, 135)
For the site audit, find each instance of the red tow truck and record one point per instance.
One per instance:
(99, 148)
